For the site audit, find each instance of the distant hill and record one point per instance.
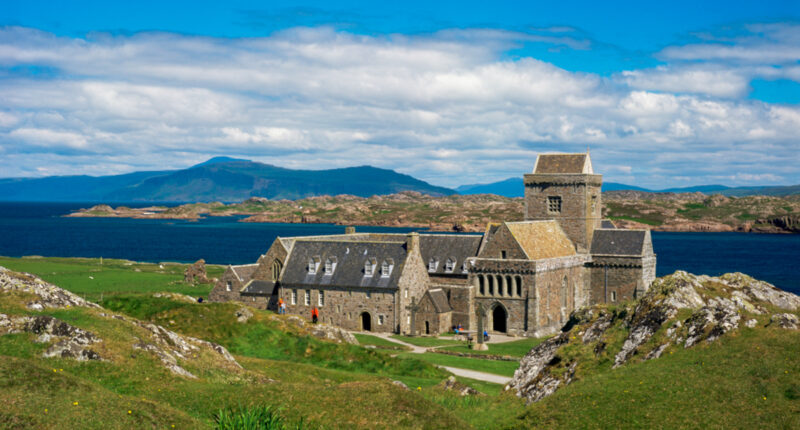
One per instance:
(513, 187)
(218, 179)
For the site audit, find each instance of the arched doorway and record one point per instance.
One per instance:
(499, 318)
(366, 322)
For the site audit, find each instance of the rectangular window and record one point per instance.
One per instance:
(294, 297)
(380, 319)
(308, 297)
(503, 254)
(228, 285)
(408, 319)
(613, 296)
(554, 204)
(406, 292)
(338, 309)
(368, 294)
(321, 299)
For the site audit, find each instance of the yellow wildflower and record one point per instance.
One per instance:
(419, 388)
(74, 403)
(129, 412)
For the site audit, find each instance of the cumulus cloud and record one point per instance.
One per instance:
(446, 107)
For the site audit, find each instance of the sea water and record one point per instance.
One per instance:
(41, 229)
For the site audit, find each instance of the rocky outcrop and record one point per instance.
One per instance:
(196, 273)
(322, 331)
(451, 384)
(710, 307)
(48, 295)
(243, 315)
(70, 341)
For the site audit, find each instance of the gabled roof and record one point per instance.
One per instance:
(439, 300)
(607, 223)
(444, 246)
(563, 164)
(244, 272)
(350, 258)
(259, 287)
(621, 242)
(541, 239)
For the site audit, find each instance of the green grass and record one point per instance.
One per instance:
(516, 348)
(262, 417)
(427, 342)
(504, 368)
(379, 342)
(90, 279)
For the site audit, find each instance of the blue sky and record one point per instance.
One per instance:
(665, 93)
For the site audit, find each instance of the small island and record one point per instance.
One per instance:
(689, 212)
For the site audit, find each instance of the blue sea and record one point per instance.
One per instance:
(40, 229)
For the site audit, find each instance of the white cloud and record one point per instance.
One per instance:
(445, 107)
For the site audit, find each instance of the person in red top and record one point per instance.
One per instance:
(314, 315)
(281, 307)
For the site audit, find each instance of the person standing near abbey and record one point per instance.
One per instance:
(314, 314)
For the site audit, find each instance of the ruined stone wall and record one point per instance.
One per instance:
(614, 279)
(343, 307)
(581, 203)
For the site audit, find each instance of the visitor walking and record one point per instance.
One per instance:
(281, 306)
(314, 315)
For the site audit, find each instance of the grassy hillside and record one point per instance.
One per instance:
(746, 379)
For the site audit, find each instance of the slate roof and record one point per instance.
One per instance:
(439, 300)
(350, 258)
(607, 223)
(619, 242)
(562, 164)
(445, 246)
(258, 287)
(541, 239)
(245, 272)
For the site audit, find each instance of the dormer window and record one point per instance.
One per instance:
(313, 265)
(450, 265)
(386, 267)
(464, 268)
(330, 265)
(433, 263)
(369, 267)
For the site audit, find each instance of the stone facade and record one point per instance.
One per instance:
(527, 276)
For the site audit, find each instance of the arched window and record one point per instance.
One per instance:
(276, 269)
(519, 286)
(564, 292)
(492, 282)
(509, 287)
(481, 282)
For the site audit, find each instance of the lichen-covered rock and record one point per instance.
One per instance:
(401, 385)
(787, 321)
(710, 307)
(49, 295)
(176, 297)
(71, 342)
(451, 384)
(243, 314)
(335, 334)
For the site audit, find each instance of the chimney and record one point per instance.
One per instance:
(350, 230)
(413, 242)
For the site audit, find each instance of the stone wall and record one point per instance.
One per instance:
(437, 323)
(343, 307)
(559, 287)
(412, 285)
(502, 241)
(461, 301)
(581, 203)
(615, 279)
(227, 287)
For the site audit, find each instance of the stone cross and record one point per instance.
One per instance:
(480, 312)
(413, 307)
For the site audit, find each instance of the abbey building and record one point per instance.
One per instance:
(527, 275)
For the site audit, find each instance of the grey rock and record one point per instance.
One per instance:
(787, 321)
(49, 295)
(751, 323)
(532, 379)
(243, 314)
(401, 385)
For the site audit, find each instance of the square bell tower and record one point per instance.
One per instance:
(563, 187)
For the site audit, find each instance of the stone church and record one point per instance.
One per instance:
(528, 276)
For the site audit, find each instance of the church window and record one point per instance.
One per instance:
(406, 292)
(228, 285)
(450, 265)
(491, 285)
(308, 297)
(276, 269)
(554, 204)
(481, 282)
(503, 254)
(408, 320)
(564, 292)
(321, 298)
(519, 286)
(433, 263)
(380, 319)
(368, 295)
(613, 296)
(294, 297)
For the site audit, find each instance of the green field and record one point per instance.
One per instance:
(515, 348)
(427, 342)
(749, 378)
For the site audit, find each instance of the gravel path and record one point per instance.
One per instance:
(474, 374)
